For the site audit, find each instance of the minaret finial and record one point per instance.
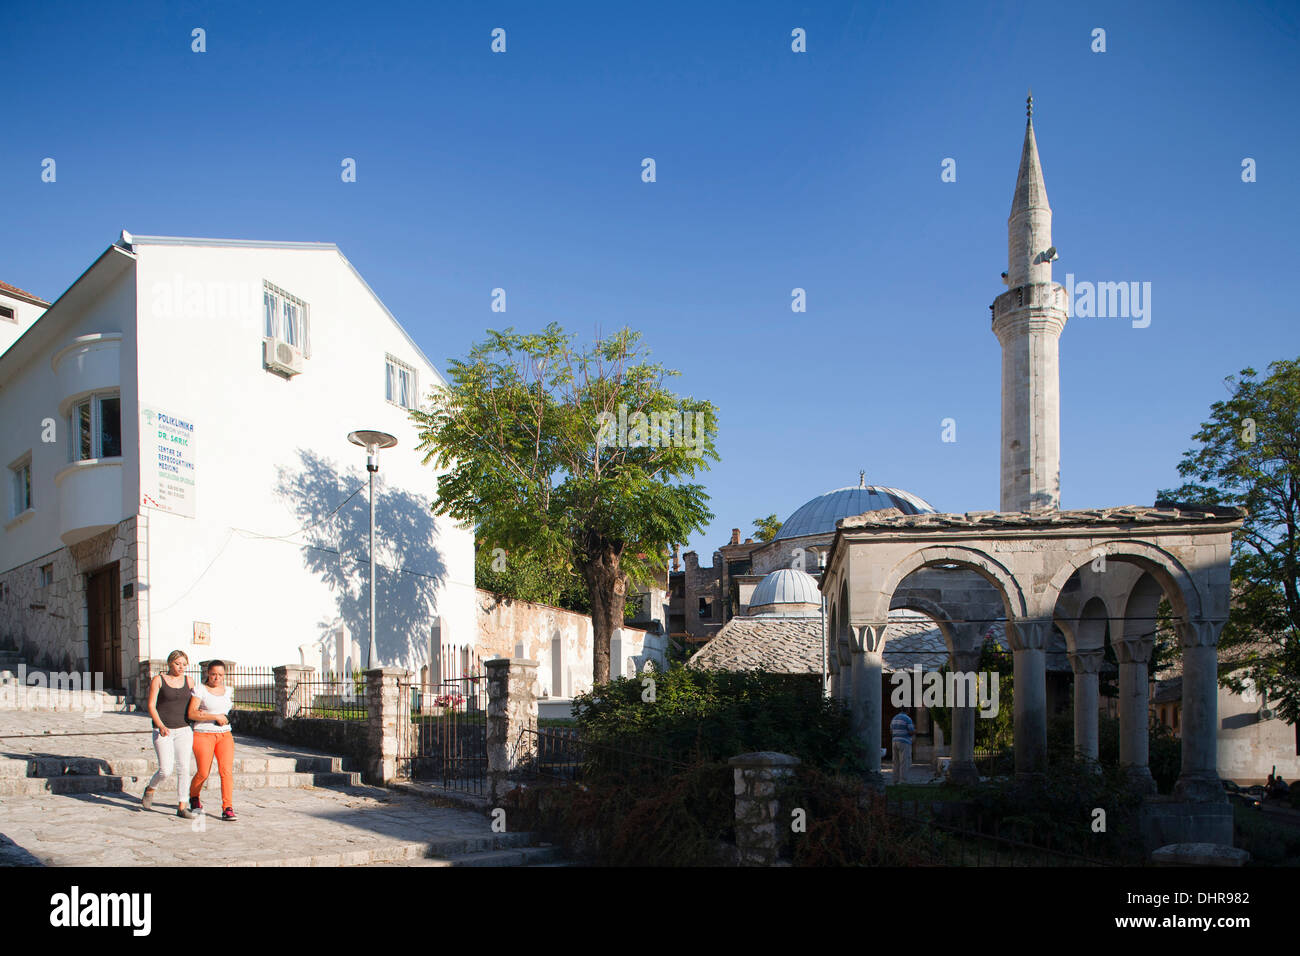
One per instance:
(862, 479)
(1029, 104)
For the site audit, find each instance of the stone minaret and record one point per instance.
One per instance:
(1028, 319)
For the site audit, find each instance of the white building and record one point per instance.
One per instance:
(175, 442)
(18, 310)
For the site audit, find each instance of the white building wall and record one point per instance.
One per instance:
(25, 313)
(272, 456)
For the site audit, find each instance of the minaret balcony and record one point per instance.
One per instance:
(1040, 303)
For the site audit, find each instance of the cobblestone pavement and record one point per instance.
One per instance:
(276, 826)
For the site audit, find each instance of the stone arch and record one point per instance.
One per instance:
(1167, 571)
(1013, 598)
(903, 600)
(1090, 632)
(1141, 606)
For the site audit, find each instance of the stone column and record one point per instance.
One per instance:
(388, 723)
(1085, 665)
(1134, 710)
(962, 769)
(511, 721)
(1199, 779)
(868, 673)
(762, 824)
(291, 698)
(1028, 639)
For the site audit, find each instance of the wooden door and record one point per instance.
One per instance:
(105, 624)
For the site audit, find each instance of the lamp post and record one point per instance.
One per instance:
(372, 441)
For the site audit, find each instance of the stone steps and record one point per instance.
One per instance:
(523, 856)
(110, 783)
(32, 776)
(14, 696)
(144, 766)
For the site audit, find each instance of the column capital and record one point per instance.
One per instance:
(1199, 633)
(1135, 650)
(1086, 662)
(868, 638)
(1028, 635)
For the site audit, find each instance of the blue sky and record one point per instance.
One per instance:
(775, 170)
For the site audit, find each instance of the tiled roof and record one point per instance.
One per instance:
(6, 287)
(1128, 514)
(793, 645)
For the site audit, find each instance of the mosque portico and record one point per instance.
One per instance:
(1120, 561)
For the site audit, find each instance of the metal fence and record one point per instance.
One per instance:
(985, 845)
(338, 696)
(446, 739)
(253, 688)
(558, 754)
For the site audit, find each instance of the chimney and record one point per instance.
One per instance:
(735, 536)
(676, 560)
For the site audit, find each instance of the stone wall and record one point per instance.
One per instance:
(1249, 748)
(48, 625)
(560, 641)
(347, 738)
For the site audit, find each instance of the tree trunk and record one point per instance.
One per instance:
(607, 587)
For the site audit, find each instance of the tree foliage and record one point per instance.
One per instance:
(1249, 456)
(553, 450)
(765, 529)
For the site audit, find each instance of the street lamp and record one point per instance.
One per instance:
(372, 441)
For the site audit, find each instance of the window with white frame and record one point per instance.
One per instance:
(399, 382)
(21, 472)
(95, 427)
(286, 317)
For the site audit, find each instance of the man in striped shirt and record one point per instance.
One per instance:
(902, 730)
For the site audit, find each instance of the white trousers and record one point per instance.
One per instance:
(902, 760)
(174, 753)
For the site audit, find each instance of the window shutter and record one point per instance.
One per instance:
(306, 333)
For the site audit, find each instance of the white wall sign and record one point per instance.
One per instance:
(167, 459)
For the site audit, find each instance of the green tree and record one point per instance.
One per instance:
(580, 457)
(1249, 456)
(765, 529)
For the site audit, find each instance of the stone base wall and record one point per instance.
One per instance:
(347, 738)
(48, 625)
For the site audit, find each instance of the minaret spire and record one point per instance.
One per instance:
(1028, 319)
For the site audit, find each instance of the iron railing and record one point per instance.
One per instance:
(446, 739)
(559, 754)
(253, 688)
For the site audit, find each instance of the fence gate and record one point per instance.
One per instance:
(446, 742)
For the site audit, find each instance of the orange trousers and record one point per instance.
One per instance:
(223, 747)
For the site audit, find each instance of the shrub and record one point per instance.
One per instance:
(704, 715)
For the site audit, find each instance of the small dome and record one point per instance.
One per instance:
(785, 586)
(819, 515)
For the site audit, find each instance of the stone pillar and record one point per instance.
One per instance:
(1028, 640)
(762, 824)
(962, 769)
(1134, 710)
(511, 721)
(291, 698)
(1198, 781)
(868, 674)
(1085, 665)
(388, 723)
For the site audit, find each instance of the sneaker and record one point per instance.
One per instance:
(147, 800)
(228, 814)
(184, 814)
(196, 804)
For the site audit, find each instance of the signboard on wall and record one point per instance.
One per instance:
(202, 632)
(167, 462)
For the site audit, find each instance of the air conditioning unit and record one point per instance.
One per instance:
(280, 356)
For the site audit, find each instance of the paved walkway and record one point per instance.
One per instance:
(305, 826)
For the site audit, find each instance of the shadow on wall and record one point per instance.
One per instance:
(409, 566)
